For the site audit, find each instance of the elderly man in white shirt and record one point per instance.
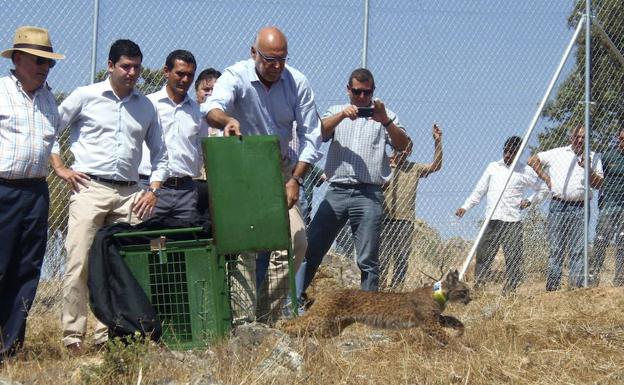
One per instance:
(28, 126)
(562, 169)
(108, 122)
(505, 227)
(183, 127)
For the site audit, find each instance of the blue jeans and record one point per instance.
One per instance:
(362, 205)
(565, 233)
(610, 224)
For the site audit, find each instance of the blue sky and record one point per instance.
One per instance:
(477, 67)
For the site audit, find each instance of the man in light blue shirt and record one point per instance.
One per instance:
(264, 96)
(183, 127)
(108, 122)
(357, 166)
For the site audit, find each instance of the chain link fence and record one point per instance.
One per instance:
(478, 70)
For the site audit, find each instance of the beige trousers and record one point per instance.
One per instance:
(266, 303)
(96, 205)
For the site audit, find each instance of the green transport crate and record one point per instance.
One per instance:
(186, 284)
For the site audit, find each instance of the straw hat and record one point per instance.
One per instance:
(32, 40)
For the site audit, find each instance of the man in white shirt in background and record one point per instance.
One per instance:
(563, 171)
(183, 127)
(505, 227)
(109, 121)
(204, 85)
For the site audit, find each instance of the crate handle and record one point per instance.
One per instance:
(158, 232)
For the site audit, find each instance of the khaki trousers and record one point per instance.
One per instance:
(266, 303)
(96, 205)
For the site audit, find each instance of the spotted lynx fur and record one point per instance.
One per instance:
(333, 311)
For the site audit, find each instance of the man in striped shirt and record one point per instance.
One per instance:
(357, 166)
(28, 126)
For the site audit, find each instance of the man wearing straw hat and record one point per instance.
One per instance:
(28, 126)
(109, 121)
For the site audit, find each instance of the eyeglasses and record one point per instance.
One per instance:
(43, 60)
(360, 91)
(272, 60)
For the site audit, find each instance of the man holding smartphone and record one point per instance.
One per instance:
(356, 167)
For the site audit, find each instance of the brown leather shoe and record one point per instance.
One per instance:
(75, 349)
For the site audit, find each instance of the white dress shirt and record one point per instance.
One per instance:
(492, 182)
(107, 133)
(566, 176)
(183, 127)
(270, 111)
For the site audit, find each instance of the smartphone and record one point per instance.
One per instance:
(365, 112)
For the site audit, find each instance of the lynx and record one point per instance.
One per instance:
(333, 311)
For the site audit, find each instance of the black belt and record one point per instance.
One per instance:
(144, 177)
(23, 182)
(112, 181)
(571, 203)
(177, 181)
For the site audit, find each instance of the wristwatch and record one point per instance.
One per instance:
(155, 191)
(298, 179)
(388, 123)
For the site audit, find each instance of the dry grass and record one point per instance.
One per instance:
(567, 337)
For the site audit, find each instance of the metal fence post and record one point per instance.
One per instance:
(588, 160)
(96, 12)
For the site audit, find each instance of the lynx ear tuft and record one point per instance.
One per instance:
(452, 277)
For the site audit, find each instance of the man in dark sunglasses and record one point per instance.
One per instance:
(28, 123)
(356, 168)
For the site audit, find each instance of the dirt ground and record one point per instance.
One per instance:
(532, 337)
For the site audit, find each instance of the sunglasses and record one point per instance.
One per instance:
(358, 91)
(272, 60)
(43, 60)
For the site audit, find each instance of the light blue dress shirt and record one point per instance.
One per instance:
(183, 128)
(267, 111)
(107, 133)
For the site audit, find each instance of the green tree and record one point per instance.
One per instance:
(607, 111)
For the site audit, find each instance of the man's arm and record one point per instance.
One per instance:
(159, 160)
(329, 124)
(219, 119)
(74, 179)
(398, 137)
(479, 191)
(436, 164)
(308, 128)
(292, 184)
(536, 164)
(595, 173)
(540, 190)
(222, 99)
(68, 111)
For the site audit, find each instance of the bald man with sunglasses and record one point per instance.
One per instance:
(265, 96)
